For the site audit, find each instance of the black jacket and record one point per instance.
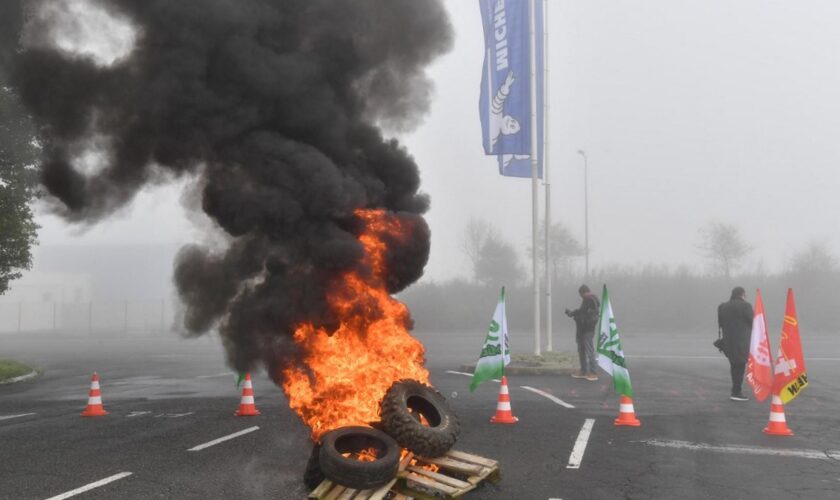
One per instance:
(735, 319)
(586, 316)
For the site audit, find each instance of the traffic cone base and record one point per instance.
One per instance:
(247, 408)
(94, 412)
(503, 415)
(507, 420)
(777, 426)
(94, 405)
(626, 413)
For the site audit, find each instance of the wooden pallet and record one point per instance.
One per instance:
(458, 473)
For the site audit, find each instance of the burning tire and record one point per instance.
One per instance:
(401, 409)
(352, 472)
(313, 476)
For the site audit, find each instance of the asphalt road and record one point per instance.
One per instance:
(167, 395)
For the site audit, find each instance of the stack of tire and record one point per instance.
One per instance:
(401, 427)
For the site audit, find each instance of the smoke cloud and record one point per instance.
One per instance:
(272, 105)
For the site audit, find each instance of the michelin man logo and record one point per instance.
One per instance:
(502, 124)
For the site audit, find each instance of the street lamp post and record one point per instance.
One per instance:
(585, 209)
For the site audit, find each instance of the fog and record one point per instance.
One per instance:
(689, 113)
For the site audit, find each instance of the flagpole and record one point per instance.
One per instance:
(534, 176)
(489, 99)
(546, 170)
(503, 330)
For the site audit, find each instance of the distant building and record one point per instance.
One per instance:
(37, 286)
(93, 289)
(38, 300)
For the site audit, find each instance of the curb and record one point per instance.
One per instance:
(527, 370)
(21, 378)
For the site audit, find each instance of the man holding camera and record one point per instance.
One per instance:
(586, 319)
(735, 319)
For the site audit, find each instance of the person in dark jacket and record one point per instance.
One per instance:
(735, 322)
(586, 318)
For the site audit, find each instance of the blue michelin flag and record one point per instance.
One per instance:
(505, 102)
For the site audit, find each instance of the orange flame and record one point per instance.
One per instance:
(366, 455)
(413, 461)
(342, 377)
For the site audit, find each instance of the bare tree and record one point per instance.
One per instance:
(564, 249)
(813, 260)
(476, 234)
(498, 263)
(723, 247)
(494, 260)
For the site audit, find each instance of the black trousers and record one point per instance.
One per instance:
(586, 352)
(737, 370)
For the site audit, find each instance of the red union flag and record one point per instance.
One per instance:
(790, 376)
(759, 370)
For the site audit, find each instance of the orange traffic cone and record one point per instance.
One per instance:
(777, 426)
(503, 414)
(626, 413)
(247, 408)
(94, 405)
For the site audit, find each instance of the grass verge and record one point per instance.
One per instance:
(11, 369)
(530, 364)
(553, 359)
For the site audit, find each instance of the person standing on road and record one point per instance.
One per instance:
(735, 319)
(586, 318)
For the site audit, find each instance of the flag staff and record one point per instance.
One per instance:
(546, 171)
(534, 175)
(585, 209)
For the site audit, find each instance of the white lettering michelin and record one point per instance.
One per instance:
(500, 34)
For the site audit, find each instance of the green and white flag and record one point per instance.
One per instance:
(495, 354)
(610, 354)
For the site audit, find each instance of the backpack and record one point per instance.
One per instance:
(593, 314)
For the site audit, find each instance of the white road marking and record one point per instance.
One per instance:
(9, 417)
(223, 439)
(174, 415)
(580, 444)
(549, 396)
(88, 487)
(137, 414)
(32, 374)
(746, 450)
(217, 375)
(469, 375)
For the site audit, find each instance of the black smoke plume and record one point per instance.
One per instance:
(273, 106)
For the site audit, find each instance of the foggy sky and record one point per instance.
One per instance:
(689, 112)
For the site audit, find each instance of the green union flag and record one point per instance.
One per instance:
(610, 354)
(495, 354)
